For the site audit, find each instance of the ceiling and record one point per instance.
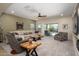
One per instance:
(3, 7)
(31, 10)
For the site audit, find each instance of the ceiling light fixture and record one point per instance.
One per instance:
(30, 8)
(61, 14)
(12, 12)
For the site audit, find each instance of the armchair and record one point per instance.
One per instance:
(14, 43)
(61, 36)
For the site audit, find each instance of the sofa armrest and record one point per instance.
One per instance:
(23, 41)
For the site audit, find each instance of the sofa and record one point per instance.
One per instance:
(21, 34)
(61, 36)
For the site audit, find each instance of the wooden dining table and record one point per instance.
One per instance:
(30, 48)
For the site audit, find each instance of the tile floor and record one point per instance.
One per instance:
(49, 47)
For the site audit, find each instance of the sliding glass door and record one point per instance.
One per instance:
(51, 28)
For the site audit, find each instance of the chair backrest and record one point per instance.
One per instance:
(14, 43)
(12, 40)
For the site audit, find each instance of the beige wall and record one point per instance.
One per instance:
(8, 22)
(60, 21)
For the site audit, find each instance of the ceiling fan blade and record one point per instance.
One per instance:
(39, 15)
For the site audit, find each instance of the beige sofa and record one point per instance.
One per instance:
(22, 34)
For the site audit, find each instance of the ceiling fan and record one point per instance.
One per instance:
(39, 15)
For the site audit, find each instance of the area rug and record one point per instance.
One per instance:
(3, 52)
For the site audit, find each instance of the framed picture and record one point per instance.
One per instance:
(65, 26)
(19, 26)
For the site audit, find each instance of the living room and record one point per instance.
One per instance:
(25, 20)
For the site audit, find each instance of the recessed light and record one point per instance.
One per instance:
(61, 14)
(12, 12)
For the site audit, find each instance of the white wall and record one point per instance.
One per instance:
(60, 21)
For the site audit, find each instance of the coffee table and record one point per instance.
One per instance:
(30, 48)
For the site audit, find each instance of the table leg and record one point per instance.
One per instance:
(27, 52)
(35, 52)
